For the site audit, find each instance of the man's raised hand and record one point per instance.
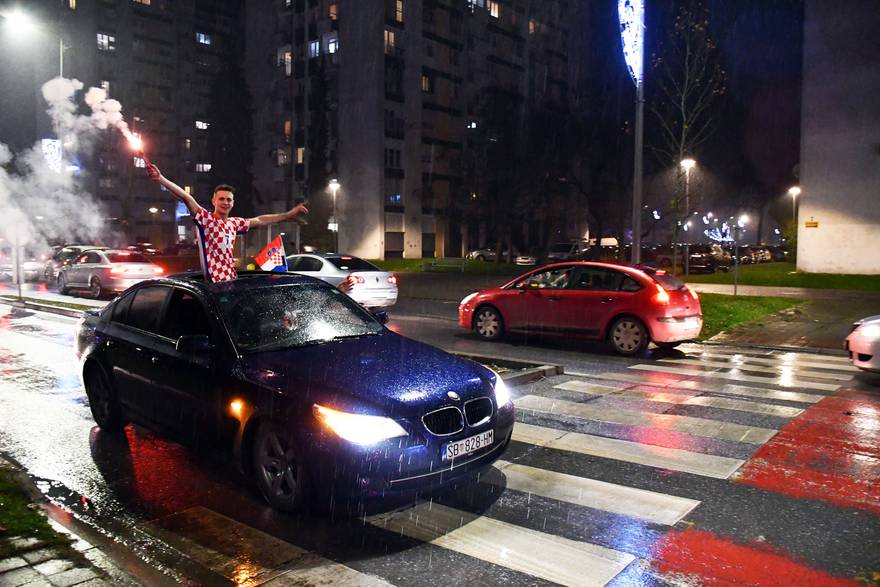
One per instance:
(154, 172)
(297, 210)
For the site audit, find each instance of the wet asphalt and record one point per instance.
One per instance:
(192, 516)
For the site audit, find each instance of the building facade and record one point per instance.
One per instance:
(839, 208)
(389, 97)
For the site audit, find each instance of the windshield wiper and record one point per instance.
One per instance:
(345, 336)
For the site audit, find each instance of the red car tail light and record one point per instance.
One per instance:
(158, 270)
(354, 280)
(661, 297)
(392, 279)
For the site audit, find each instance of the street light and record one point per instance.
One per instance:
(794, 191)
(687, 165)
(22, 23)
(334, 225)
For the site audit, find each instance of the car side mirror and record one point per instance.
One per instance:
(381, 316)
(193, 343)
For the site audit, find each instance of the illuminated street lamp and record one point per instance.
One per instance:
(794, 191)
(334, 222)
(22, 23)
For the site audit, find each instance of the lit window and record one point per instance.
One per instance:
(332, 45)
(106, 42)
(398, 10)
(188, 189)
(333, 11)
(139, 162)
(71, 4)
(288, 126)
(300, 155)
(473, 4)
(427, 86)
(203, 38)
(282, 156)
(472, 124)
(389, 42)
(202, 124)
(187, 144)
(284, 58)
(144, 2)
(203, 167)
(314, 49)
(495, 8)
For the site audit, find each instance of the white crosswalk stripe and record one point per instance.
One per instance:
(689, 425)
(542, 555)
(783, 380)
(774, 370)
(773, 361)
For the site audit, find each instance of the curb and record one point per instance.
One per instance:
(529, 371)
(69, 312)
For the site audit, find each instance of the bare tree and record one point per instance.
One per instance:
(688, 79)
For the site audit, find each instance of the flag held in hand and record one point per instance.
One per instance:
(272, 257)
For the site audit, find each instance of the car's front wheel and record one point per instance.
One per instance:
(628, 336)
(488, 323)
(279, 468)
(102, 400)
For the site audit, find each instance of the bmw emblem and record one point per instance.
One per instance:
(453, 396)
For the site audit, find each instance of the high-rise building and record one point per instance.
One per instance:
(389, 98)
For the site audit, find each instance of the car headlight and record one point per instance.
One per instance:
(468, 298)
(502, 392)
(870, 332)
(358, 428)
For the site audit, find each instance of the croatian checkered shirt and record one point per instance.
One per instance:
(217, 239)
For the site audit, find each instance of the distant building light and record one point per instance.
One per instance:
(139, 162)
(203, 167)
(472, 124)
(202, 124)
(203, 38)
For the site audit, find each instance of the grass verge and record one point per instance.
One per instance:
(470, 266)
(68, 305)
(19, 519)
(723, 312)
(786, 275)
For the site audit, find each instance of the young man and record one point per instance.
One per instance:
(217, 230)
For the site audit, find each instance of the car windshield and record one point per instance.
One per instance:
(352, 264)
(279, 317)
(127, 258)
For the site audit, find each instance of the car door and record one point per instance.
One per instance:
(540, 295)
(592, 298)
(183, 381)
(132, 334)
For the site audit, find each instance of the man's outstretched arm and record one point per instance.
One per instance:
(176, 191)
(266, 219)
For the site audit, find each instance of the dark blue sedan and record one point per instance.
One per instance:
(309, 391)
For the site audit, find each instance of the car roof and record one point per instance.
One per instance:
(245, 280)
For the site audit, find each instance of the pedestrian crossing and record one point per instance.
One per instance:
(620, 419)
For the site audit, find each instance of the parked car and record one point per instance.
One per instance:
(489, 254)
(103, 271)
(361, 280)
(626, 306)
(531, 258)
(863, 344)
(63, 256)
(702, 258)
(778, 253)
(309, 392)
(565, 251)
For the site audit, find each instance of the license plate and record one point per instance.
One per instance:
(464, 447)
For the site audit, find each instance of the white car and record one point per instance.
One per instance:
(361, 280)
(863, 344)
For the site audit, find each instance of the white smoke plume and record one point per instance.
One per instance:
(40, 202)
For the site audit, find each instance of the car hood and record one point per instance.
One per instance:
(871, 319)
(389, 372)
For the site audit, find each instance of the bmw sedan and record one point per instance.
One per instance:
(863, 344)
(361, 280)
(309, 392)
(106, 271)
(627, 307)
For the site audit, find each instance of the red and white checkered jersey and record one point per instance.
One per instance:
(217, 239)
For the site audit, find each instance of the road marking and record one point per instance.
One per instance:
(686, 424)
(782, 381)
(247, 556)
(631, 452)
(546, 556)
(657, 508)
(743, 390)
(684, 398)
(778, 356)
(780, 369)
(777, 361)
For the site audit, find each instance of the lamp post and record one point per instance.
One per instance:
(22, 23)
(794, 191)
(632, 34)
(334, 226)
(687, 165)
(737, 226)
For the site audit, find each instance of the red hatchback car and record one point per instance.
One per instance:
(627, 306)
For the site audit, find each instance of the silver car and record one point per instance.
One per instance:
(106, 271)
(488, 254)
(361, 280)
(863, 344)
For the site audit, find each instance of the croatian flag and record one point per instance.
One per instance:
(272, 257)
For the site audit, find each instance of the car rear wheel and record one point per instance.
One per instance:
(279, 468)
(628, 336)
(102, 400)
(95, 288)
(488, 323)
(62, 285)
